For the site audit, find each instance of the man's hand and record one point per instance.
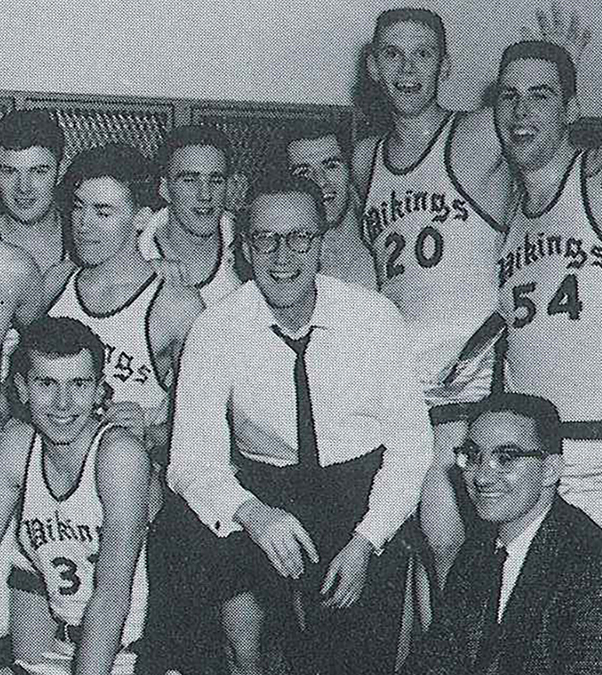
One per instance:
(560, 29)
(174, 272)
(279, 534)
(347, 573)
(127, 414)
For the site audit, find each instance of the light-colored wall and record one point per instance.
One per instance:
(263, 50)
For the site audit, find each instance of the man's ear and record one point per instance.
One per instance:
(142, 217)
(573, 110)
(21, 387)
(163, 189)
(446, 68)
(553, 467)
(236, 191)
(372, 66)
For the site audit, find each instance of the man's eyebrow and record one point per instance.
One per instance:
(195, 174)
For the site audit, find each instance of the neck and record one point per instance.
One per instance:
(126, 266)
(543, 182)
(185, 241)
(73, 453)
(511, 530)
(423, 125)
(296, 316)
(347, 227)
(48, 221)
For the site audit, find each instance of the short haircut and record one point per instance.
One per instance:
(413, 15)
(311, 130)
(544, 51)
(192, 134)
(23, 129)
(123, 163)
(282, 183)
(543, 413)
(56, 337)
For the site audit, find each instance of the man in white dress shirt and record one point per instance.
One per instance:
(296, 485)
(526, 600)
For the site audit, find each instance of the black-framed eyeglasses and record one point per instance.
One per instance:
(266, 241)
(469, 457)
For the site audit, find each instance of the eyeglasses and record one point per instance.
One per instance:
(299, 241)
(470, 457)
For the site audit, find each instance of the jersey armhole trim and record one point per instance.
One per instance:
(149, 347)
(66, 283)
(531, 215)
(498, 227)
(377, 148)
(21, 502)
(584, 194)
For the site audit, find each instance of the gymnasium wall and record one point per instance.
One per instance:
(298, 51)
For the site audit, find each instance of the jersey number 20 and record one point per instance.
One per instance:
(564, 301)
(398, 242)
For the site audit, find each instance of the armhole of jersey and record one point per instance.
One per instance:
(21, 502)
(66, 283)
(588, 209)
(456, 183)
(149, 345)
(377, 149)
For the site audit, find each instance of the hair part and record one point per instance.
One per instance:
(542, 412)
(189, 135)
(544, 51)
(277, 184)
(420, 15)
(124, 163)
(24, 129)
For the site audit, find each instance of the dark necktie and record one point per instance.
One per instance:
(306, 432)
(488, 644)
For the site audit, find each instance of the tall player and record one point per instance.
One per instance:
(437, 192)
(142, 320)
(317, 152)
(81, 490)
(549, 271)
(31, 150)
(194, 235)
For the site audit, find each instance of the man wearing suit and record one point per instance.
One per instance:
(526, 600)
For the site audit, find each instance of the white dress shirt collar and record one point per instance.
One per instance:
(517, 551)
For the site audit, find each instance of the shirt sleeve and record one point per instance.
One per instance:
(407, 434)
(200, 469)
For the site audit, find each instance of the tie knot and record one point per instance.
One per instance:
(298, 346)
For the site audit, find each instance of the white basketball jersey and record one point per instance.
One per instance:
(60, 535)
(129, 368)
(550, 277)
(435, 250)
(223, 279)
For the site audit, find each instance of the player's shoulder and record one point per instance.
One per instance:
(121, 448)
(234, 309)
(179, 298)
(471, 127)
(16, 263)
(15, 443)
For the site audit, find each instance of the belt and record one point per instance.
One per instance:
(71, 634)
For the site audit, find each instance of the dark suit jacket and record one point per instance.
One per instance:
(552, 624)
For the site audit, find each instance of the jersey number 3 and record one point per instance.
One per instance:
(564, 301)
(428, 237)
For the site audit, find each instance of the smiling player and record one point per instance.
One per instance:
(81, 491)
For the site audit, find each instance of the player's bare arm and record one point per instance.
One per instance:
(361, 164)
(54, 281)
(14, 443)
(123, 483)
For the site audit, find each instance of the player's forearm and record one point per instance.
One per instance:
(101, 631)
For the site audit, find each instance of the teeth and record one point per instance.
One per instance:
(284, 276)
(328, 198)
(406, 87)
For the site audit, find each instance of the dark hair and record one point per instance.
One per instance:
(124, 163)
(413, 15)
(23, 129)
(281, 183)
(544, 51)
(57, 336)
(313, 129)
(192, 134)
(543, 413)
